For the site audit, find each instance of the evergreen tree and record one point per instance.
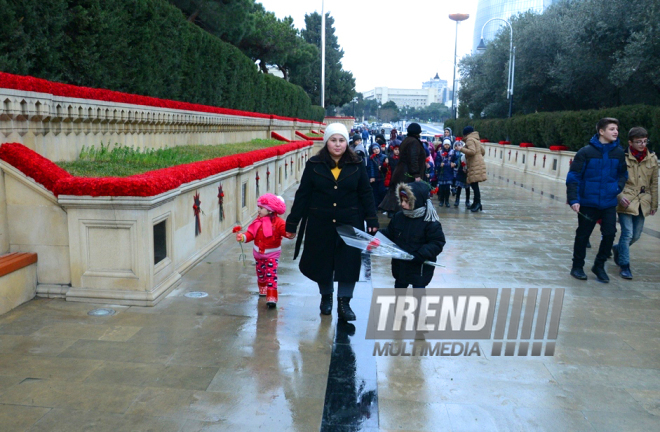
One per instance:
(340, 84)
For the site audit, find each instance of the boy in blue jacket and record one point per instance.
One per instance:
(597, 175)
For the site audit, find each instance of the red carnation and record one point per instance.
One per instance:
(236, 229)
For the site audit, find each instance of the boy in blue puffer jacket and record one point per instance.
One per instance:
(375, 173)
(597, 175)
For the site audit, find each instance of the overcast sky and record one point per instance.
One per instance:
(417, 34)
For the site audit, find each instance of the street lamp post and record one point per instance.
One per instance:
(354, 100)
(512, 59)
(458, 18)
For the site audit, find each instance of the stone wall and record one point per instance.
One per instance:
(58, 127)
(104, 249)
(346, 121)
(533, 160)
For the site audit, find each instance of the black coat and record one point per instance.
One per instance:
(412, 161)
(322, 203)
(423, 240)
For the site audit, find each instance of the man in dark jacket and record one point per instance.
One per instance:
(411, 167)
(597, 175)
(417, 230)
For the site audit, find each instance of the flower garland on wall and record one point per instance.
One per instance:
(151, 183)
(32, 84)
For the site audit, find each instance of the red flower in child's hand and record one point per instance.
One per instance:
(236, 229)
(373, 244)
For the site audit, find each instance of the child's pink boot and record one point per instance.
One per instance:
(262, 290)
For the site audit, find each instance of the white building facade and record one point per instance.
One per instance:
(414, 98)
(435, 90)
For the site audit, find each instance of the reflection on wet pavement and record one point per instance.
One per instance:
(226, 363)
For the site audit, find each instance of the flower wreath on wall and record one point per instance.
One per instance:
(197, 209)
(221, 199)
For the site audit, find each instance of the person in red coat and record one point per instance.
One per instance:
(267, 232)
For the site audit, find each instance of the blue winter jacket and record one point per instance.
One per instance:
(597, 175)
(374, 165)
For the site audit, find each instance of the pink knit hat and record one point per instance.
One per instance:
(274, 203)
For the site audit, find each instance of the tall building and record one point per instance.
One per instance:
(488, 9)
(444, 94)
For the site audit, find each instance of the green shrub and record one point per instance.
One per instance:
(573, 129)
(318, 113)
(144, 47)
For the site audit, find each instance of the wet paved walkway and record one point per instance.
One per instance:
(225, 362)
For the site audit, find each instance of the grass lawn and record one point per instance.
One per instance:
(313, 135)
(125, 161)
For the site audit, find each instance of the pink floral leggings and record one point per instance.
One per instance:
(267, 272)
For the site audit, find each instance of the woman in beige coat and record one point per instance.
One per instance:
(474, 156)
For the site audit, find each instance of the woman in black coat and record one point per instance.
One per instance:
(334, 190)
(411, 167)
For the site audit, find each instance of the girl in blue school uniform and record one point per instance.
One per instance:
(444, 168)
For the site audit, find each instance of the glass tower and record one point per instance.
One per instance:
(487, 9)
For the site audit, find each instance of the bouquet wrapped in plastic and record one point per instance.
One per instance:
(377, 245)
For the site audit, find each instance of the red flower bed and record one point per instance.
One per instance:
(302, 135)
(484, 140)
(151, 183)
(459, 138)
(28, 83)
(558, 147)
(504, 142)
(279, 137)
(32, 164)
(526, 145)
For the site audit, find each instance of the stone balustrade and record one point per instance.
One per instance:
(58, 127)
(132, 250)
(346, 121)
(534, 160)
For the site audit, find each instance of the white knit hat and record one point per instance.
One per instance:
(334, 128)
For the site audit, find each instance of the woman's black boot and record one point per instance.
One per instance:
(476, 207)
(344, 310)
(326, 304)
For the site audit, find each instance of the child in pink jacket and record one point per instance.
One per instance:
(267, 232)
